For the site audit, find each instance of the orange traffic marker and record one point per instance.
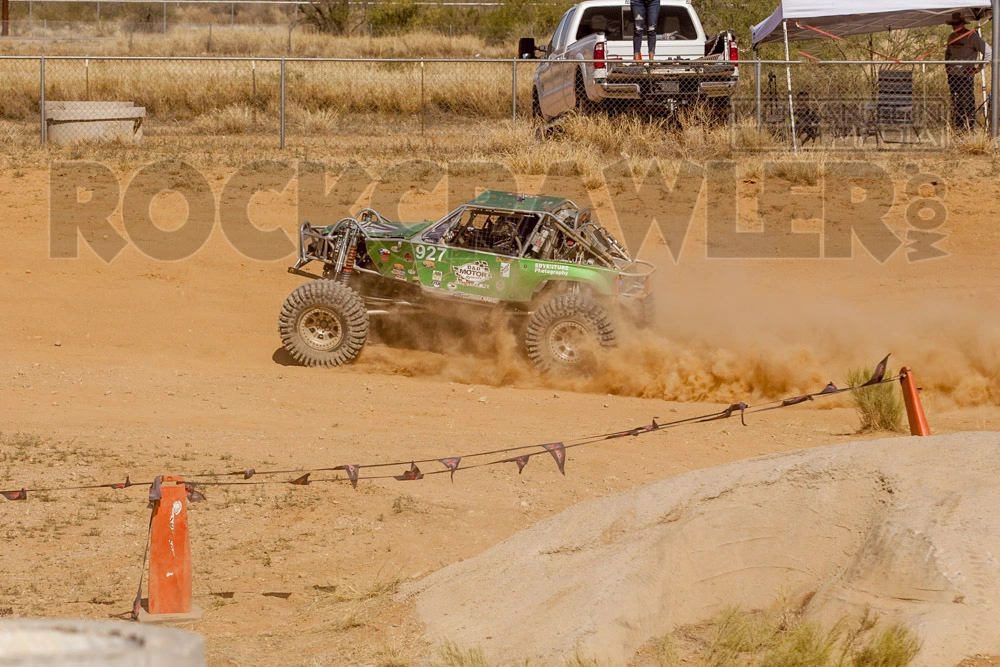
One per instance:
(170, 551)
(911, 397)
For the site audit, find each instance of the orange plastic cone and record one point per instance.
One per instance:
(170, 551)
(911, 397)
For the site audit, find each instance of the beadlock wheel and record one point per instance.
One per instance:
(323, 323)
(320, 329)
(566, 333)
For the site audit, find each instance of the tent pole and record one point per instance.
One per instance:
(995, 74)
(756, 69)
(788, 79)
(982, 72)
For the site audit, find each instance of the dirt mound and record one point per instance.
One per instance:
(906, 525)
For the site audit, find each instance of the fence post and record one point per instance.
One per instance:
(513, 91)
(422, 98)
(281, 111)
(995, 74)
(164, 18)
(41, 88)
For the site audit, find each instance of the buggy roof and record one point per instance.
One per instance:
(512, 201)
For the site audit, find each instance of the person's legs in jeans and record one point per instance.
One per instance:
(652, 17)
(639, 17)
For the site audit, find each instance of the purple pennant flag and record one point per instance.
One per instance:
(301, 481)
(879, 372)
(451, 463)
(352, 472)
(733, 408)
(14, 495)
(411, 474)
(122, 485)
(193, 494)
(795, 401)
(558, 452)
(521, 461)
(831, 388)
(155, 490)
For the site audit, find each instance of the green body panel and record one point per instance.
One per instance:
(493, 199)
(445, 271)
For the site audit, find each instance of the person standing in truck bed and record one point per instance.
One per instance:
(645, 13)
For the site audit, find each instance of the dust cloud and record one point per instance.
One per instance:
(720, 337)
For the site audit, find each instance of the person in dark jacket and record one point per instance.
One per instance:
(964, 44)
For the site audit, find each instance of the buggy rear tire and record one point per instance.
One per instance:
(323, 323)
(566, 332)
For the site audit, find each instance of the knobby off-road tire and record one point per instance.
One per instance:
(323, 323)
(564, 334)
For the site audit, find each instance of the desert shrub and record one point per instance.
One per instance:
(880, 406)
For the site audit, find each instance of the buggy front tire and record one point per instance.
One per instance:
(566, 333)
(323, 323)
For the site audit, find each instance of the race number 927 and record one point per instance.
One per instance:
(433, 253)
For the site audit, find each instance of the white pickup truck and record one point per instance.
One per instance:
(588, 65)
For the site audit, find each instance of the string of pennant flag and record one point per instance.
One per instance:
(521, 454)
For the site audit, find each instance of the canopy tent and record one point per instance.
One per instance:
(858, 17)
(814, 19)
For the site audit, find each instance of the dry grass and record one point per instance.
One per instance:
(783, 638)
(880, 406)
(115, 39)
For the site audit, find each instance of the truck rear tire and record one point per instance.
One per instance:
(583, 103)
(323, 323)
(566, 332)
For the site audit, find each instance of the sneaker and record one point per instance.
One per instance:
(637, 57)
(651, 57)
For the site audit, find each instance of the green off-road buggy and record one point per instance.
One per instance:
(542, 258)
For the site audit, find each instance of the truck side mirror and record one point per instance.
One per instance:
(526, 48)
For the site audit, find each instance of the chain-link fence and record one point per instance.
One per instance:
(921, 105)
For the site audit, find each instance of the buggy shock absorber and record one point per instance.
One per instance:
(345, 274)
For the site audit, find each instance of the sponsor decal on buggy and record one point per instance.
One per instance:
(452, 286)
(412, 272)
(473, 274)
(398, 266)
(552, 269)
(428, 263)
(395, 248)
(438, 276)
(383, 254)
(408, 257)
(505, 270)
(436, 284)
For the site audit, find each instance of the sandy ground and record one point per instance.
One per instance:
(146, 367)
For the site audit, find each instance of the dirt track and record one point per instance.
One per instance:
(145, 367)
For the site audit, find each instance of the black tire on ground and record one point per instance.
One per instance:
(583, 103)
(566, 332)
(323, 323)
